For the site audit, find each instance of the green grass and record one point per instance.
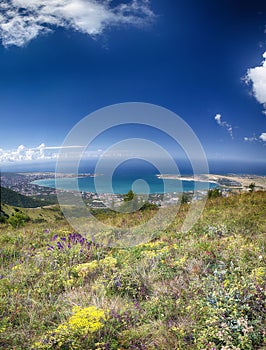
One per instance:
(204, 289)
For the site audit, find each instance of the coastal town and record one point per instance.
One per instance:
(24, 183)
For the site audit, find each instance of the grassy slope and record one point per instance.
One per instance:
(200, 290)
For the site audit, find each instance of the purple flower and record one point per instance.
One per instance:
(117, 282)
(137, 306)
(71, 240)
(59, 245)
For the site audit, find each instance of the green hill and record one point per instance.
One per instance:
(203, 289)
(15, 199)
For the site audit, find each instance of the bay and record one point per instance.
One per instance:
(122, 184)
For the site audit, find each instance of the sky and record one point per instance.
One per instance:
(204, 60)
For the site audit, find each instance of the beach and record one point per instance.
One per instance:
(233, 181)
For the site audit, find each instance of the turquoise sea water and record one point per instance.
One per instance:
(122, 184)
(138, 175)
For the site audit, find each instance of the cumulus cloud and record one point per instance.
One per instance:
(263, 136)
(224, 124)
(257, 77)
(23, 20)
(41, 152)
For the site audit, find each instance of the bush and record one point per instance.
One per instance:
(18, 219)
(3, 219)
(216, 192)
(3, 216)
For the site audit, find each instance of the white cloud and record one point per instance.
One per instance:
(263, 136)
(23, 20)
(250, 139)
(41, 152)
(224, 124)
(41, 149)
(257, 77)
(218, 118)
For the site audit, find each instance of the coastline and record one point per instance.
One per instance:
(227, 181)
(36, 183)
(233, 181)
(50, 183)
(196, 178)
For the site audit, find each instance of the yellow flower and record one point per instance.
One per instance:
(151, 244)
(2, 329)
(84, 269)
(84, 322)
(180, 262)
(91, 267)
(149, 254)
(226, 283)
(17, 267)
(87, 320)
(260, 274)
(108, 262)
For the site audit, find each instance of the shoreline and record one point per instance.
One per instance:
(233, 181)
(227, 181)
(39, 183)
(192, 178)
(28, 183)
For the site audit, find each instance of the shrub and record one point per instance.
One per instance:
(18, 219)
(216, 192)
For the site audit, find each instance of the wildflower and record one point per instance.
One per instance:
(83, 323)
(86, 320)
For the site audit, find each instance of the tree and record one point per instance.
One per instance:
(252, 187)
(185, 198)
(216, 192)
(129, 196)
(130, 202)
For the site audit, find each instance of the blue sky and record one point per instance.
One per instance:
(58, 63)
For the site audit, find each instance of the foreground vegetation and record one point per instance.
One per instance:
(201, 290)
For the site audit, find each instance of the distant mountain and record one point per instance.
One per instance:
(15, 199)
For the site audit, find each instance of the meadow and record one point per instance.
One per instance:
(204, 289)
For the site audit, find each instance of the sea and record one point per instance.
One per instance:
(136, 174)
(121, 184)
(139, 175)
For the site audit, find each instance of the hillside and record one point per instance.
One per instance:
(204, 289)
(15, 199)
